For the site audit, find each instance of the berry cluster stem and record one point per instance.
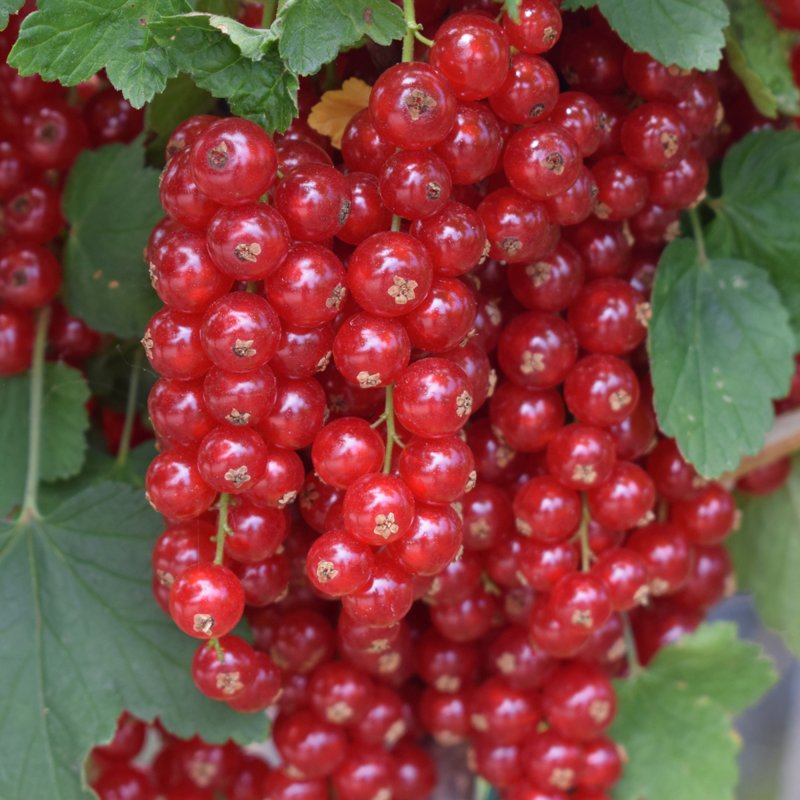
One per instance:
(634, 667)
(222, 527)
(699, 239)
(30, 509)
(583, 538)
(130, 408)
(391, 431)
(411, 30)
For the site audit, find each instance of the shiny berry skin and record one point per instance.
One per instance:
(541, 160)
(552, 761)
(654, 137)
(263, 691)
(247, 242)
(240, 332)
(314, 200)
(389, 274)
(303, 640)
(590, 60)
(175, 486)
(472, 148)
(432, 542)
(581, 456)
(609, 316)
(124, 782)
(601, 390)
(415, 775)
(302, 352)
(283, 478)
(579, 702)
(551, 283)
(33, 212)
(365, 773)
(583, 117)
(437, 470)
(385, 599)
(337, 564)
(415, 183)
(231, 459)
(529, 92)
(181, 197)
(297, 416)
(552, 637)
(674, 477)
(363, 149)
(538, 27)
(127, 742)
(626, 577)
(264, 582)
(488, 517)
(239, 398)
(711, 578)
(767, 479)
(707, 518)
(206, 601)
(526, 418)
(602, 763)
(186, 132)
(471, 51)
(226, 678)
(514, 657)
(13, 168)
(576, 204)
(233, 161)
(682, 185)
(622, 188)
(651, 79)
(340, 693)
(444, 318)
(455, 238)
(52, 135)
(699, 106)
(368, 214)
(370, 350)
(183, 274)
(256, 533)
(111, 118)
(546, 511)
(447, 666)
(307, 288)
(666, 550)
(178, 412)
(477, 367)
(502, 713)
(346, 449)
(537, 350)
(378, 509)
(280, 787)
(604, 247)
(432, 398)
(444, 715)
(311, 746)
(412, 106)
(517, 227)
(625, 499)
(30, 276)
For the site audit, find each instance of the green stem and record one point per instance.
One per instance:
(397, 221)
(583, 537)
(424, 39)
(699, 239)
(391, 434)
(411, 29)
(634, 667)
(30, 509)
(222, 527)
(268, 14)
(130, 408)
(217, 648)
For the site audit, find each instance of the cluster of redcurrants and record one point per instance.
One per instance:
(41, 135)
(481, 218)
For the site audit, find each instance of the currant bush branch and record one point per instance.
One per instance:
(130, 408)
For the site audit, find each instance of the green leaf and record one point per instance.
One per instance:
(111, 201)
(264, 91)
(181, 99)
(64, 423)
(70, 42)
(251, 42)
(720, 352)
(312, 32)
(689, 33)
(84, 639)
(757, 213)
(7, 8)
(759, 54)
(766, 552)
(511, 7)
(674, 718)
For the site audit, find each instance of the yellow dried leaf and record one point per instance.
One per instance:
(337, 107)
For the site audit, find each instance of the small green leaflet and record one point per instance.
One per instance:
(757, 213)
(83, 639)
(720, 352)
(766, 552)
(689, 33)
(312, 32)
(511, 7)
(759, 54)
(63, 436)
(674, 718)
(112, 204)
(264, 90)
(7, 8)
(70, 42)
